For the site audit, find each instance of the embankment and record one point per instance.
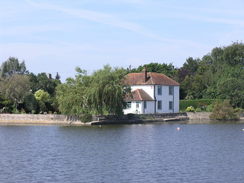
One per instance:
(42, 119)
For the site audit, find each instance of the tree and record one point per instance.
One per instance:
(102, 92)
(30, 103)
(15, 88)
(43, 99)
(71, 96)
(107, 91)
(12, 66)
(43, 82)
(167, 69)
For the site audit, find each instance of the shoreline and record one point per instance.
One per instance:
(63, 120)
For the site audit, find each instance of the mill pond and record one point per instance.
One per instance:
(123, 153)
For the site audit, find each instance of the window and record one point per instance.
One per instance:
(171, 90)
(170, 105)
(128, 105)
(145, 104)
(137, 104)
(159, 90)
(159, 105)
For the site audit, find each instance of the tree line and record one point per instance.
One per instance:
(217, 75)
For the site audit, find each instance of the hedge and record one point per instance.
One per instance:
(200, 103)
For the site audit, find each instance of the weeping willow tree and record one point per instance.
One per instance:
(71, 96)
(102, 92)
(107, 91)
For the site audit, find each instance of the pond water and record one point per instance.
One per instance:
(127, 153)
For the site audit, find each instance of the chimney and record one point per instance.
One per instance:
(145, 73)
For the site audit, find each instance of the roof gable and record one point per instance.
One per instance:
(138, 95)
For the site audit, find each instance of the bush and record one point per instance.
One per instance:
(209, 108)
(190, 109)
(200, 103)
(224, 111)
(198, 109)
(86, 117)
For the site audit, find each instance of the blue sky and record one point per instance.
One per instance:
(58, 35)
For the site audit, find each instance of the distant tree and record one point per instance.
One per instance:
(15, 88)
(167, 69)
(12, 66)
(71, 96)
(43, 82)
(30, 103)
(43, 98)
(102, 92)
(107, 91)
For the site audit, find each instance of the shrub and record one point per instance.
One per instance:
(86, 117)
(209, 108)
(190, 109)
(224, 111)
(198, 109)
(200, 103)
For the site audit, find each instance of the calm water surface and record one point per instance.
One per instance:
(129, 153)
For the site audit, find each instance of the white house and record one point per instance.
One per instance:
(151, 93)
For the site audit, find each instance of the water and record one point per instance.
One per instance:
(122, 154)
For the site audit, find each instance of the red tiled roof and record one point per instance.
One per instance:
(138, 95)
(153, 78)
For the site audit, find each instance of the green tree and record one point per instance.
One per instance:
(167, 69)
(15, 88)
(107, 91)
(72, 95)
(43, 99)
(30, 103)
(102, 92)
(12, 66)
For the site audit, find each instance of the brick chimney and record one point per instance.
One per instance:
(145, 73)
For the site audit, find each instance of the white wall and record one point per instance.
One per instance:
(134, 109)
(166, 98)
(150, 107)
(140, 109)
(176, 99)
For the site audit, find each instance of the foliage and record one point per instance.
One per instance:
(41, 95)
(86, 117)
(200, 103)
(43, 82)
(167, 69)
(11, 67)
(15, 88)
(224, 111)
(30, 103)
(106, 92)
(101, 92)
(218, 75)
(190, 109)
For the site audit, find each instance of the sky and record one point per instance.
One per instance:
(58, 35)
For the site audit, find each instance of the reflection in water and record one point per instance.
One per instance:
(126, 153)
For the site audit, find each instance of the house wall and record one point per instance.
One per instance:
(166, 98)
(134, 109)
(150, 107)
(140, 109)
(176, 99)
